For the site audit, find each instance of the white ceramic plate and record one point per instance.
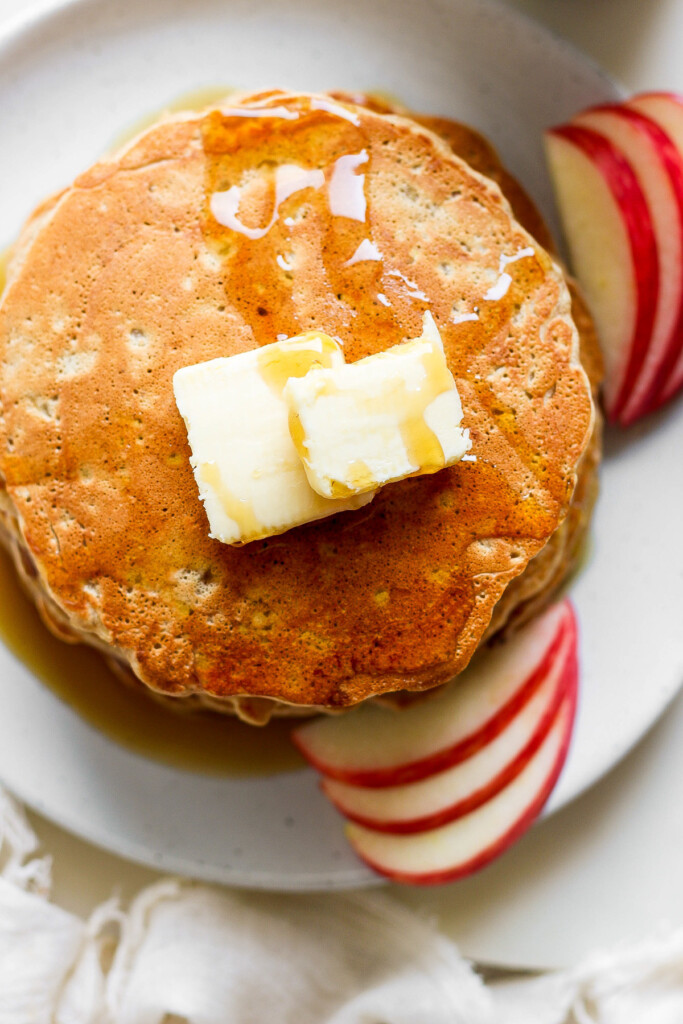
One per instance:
(71, 76)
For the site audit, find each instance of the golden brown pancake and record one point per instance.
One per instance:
(529, 592)
(127, 277)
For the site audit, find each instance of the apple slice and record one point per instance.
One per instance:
(376, 746)
(445, 854)
(658, 167)
(666, 109)
(456, 791)
(613, 249)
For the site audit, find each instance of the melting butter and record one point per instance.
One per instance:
(248, 472)
(236, 510)
(311, 349)
(392, 415)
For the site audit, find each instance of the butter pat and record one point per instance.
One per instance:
(248, 472)
(358, 426)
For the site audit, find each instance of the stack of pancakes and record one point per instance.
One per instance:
(125, 277)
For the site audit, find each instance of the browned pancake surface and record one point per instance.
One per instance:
(130, 278)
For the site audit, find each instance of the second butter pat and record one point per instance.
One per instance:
(249, 475)
(358, 426)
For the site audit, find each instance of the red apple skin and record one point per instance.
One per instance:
(666, 109)
(648, 389)
(567, 682)
(628, 195)
(413, 771)
(513, 834)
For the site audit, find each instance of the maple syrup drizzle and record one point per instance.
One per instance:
(197, 741)
(276, 367)
(365, 299)
(368, 299)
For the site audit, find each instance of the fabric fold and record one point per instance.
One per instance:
(185, 953)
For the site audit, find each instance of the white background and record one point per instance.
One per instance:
(607, 867)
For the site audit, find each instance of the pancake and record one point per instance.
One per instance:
(126, 277)
(528, 593)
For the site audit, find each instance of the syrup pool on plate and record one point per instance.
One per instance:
(203, 741)
(199, 741)
(195, 99)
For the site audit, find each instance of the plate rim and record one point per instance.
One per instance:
(15, 32)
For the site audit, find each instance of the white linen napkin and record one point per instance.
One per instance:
(40, 944)
(192, 951)
(194, 954)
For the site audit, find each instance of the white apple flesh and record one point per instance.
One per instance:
(613, 249)
(378, 746)
(666, 110)
(658, 167)
(440, 855)
(454, 792)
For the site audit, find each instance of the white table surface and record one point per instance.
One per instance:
(606, 868)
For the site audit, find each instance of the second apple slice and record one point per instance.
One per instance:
(376, 746)
(659, 168)
(612, 243)
(454, 792)
(444, 854)
(666, 109)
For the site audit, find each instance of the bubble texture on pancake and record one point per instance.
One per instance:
(128, 277)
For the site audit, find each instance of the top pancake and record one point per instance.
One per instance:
(128, 277)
